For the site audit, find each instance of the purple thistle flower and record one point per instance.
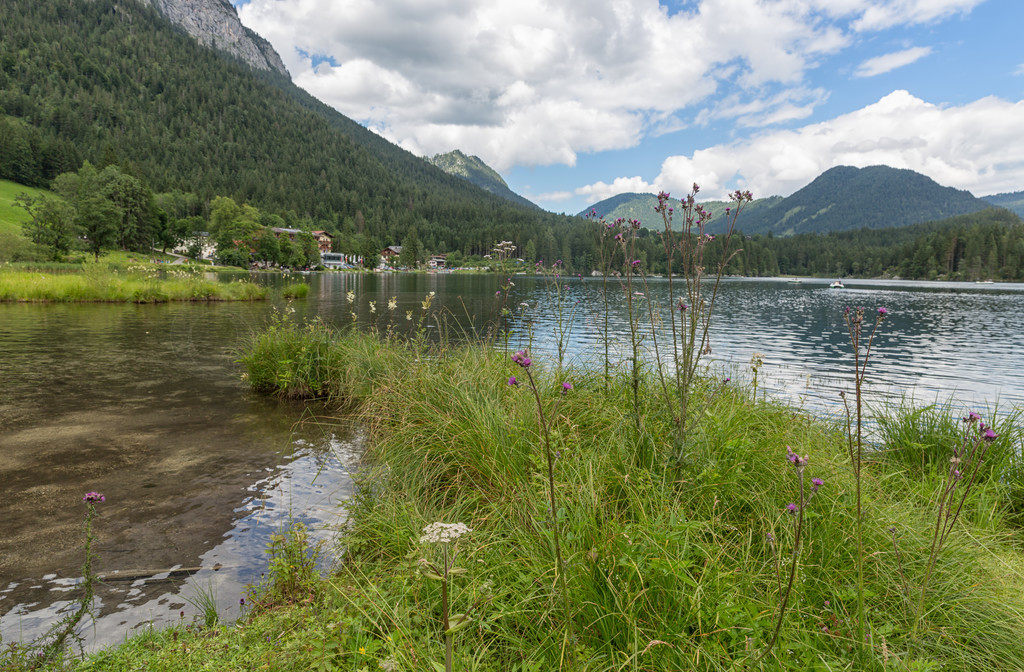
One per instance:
(498, 293)
(522, 359)
(795, 459)
(882, 312)
(792, 508)
(636, 262)
(972, 418)
(727, 380)
(989, 435)
(566, 386)
(512, 381)
(93, 497)
(816, 483)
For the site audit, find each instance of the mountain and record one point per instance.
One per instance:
(1013, 201)
(475, 171)
(875, 197)
(840, 199)
(641, 207)
(114, 81)
(215, 23)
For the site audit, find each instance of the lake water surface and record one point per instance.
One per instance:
(146, 404)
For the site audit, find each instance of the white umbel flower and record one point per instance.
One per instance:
(442, 533)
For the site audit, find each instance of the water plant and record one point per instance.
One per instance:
(204, 601)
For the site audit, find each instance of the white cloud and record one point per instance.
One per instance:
(889, 13)
(536, 82)
(887, 62)
(973, 146)
(622, 185)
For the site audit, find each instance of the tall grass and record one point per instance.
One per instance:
(666, 569)
(97, 284)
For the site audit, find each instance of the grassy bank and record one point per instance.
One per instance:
(667, 564)
(132, 284)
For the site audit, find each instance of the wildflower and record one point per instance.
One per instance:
(498, 293)
(512, 381)
(972, 417)
(882, 312)
(362, 650)
(373, 306)
(408, 316)
(522, 359)
(566, 386)
(795, 458)
(682, 306)
(792, 508)
(93, 497)
(393, 303)
(727, 380)
(350, 297)
(816, 483)
(442, 533)
(989, 435)
(241, 601)
(636, 263)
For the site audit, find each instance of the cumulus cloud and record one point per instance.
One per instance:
(536, 82)
(973, 146)
(887, 62)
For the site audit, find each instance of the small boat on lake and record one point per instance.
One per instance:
(838, 284)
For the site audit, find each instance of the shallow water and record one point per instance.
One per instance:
(145, 404)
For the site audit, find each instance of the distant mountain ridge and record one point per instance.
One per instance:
(641, 207)
(1013, 201)
(840, 199)
(475, 171)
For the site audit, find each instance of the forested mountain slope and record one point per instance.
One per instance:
(115, 82)
(1013, 201)
(876, 197)
(840, 199)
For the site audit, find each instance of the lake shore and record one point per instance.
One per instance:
(671, 561)
(134, 284)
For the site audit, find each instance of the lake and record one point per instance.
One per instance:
(146, 405)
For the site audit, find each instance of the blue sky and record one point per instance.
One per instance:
(573, 101)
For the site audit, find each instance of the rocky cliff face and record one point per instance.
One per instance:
(215, 23)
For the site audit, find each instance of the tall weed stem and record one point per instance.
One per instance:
(962, 474)
(855, 442)
(522, 359)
